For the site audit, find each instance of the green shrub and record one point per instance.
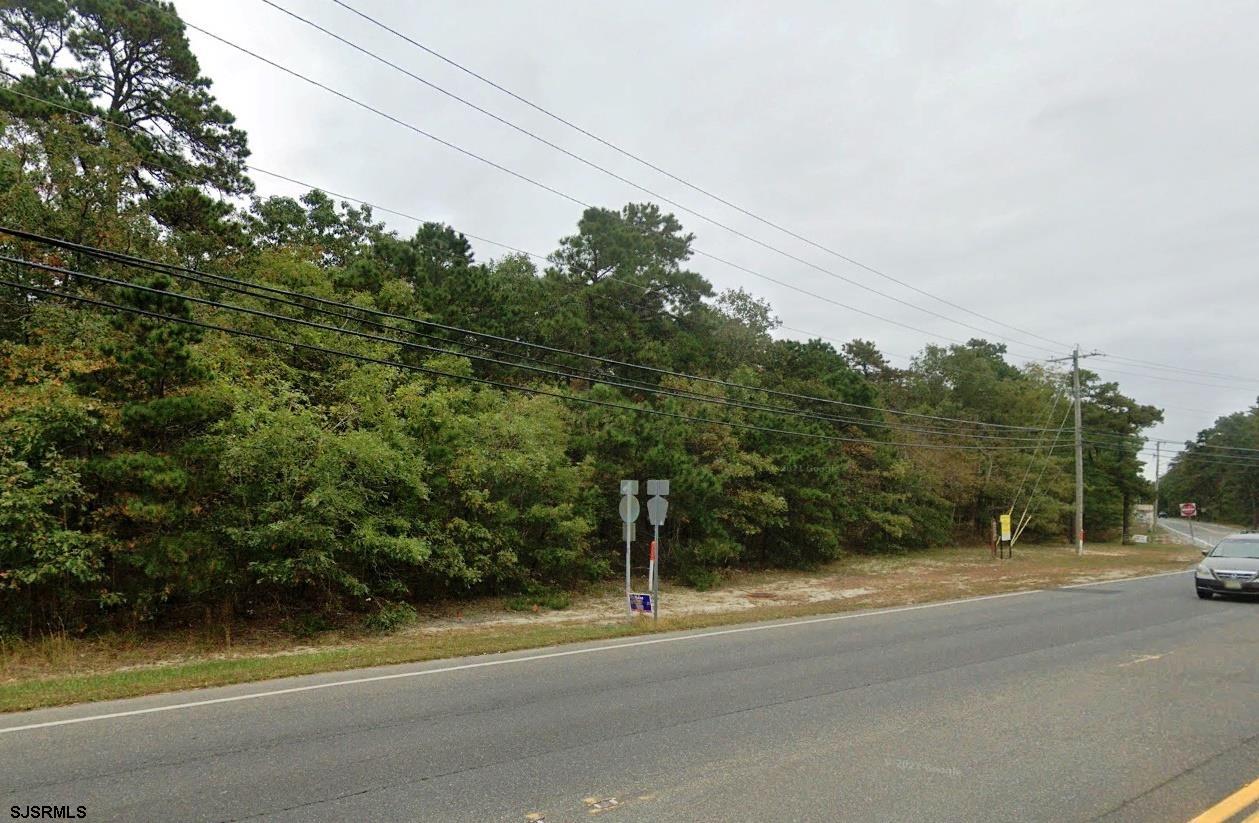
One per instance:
(700, 579)
(540, 599)
(390, 617)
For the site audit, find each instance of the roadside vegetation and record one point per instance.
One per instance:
(1214, 472)
(160, 480)
(61, 669)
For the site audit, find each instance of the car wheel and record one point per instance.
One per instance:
(1205, 595)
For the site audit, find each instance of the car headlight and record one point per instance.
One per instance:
(1203, 571)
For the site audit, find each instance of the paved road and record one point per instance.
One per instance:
(1202, 535)
(1128, 701)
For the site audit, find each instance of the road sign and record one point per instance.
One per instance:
(640, 603)
(629, 487)
(629, 509)
(657, 487)
(1188, 509)
(1005, 527)
(657, 508)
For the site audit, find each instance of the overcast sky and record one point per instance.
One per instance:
(1086, 171)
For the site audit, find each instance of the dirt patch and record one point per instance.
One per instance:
(853, 582)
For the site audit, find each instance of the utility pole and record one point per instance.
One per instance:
(1154, 511)
(1079, 453)
(1079, 444)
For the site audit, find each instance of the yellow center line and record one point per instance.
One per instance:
(1231, 805)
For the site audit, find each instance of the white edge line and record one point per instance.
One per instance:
(1203, 542)
(1122, 579)
(549, 655)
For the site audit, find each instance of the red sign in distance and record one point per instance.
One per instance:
(1188, 509)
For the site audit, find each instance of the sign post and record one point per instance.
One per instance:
(629, 510)
(1190, 510)
(1006, 544)
(657, 509)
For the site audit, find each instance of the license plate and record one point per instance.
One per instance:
(1232, 584)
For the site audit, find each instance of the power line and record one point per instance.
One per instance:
(1179, 380)
(1195, 453)
(532, 254)
(1223, 459)
(525, 178)
(708, 193)
(1025, 516)
(170, 267)
(241, 287)
(480, 380)
(1168, 367)
(683, 181)
(604, 170)
(1049, 418)
(1192, 445)
(1197, 458)
(530, 180)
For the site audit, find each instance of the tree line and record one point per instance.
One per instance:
(153, 471)
(1218, 470)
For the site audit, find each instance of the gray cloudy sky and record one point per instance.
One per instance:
(1084, 170)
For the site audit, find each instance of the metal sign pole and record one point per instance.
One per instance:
(655, 573)
(628, 510)
(657, 510)
(629, 607)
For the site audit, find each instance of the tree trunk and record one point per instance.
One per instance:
(1126, 507)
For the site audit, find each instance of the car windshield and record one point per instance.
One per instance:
(1238, 548)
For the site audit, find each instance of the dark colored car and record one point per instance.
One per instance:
(1232, 567)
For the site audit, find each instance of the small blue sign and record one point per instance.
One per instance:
(640, 603)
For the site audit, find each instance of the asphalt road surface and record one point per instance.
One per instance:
(1202, 535)
(1126, 701)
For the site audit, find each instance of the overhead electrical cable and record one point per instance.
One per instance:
(585, 375)
(1245, 462)
(515, 248)
(539, 184)
(1049, 419)
(678, 179)
(710, 194)
(1207, 445)
(620, 178)
(296, 344)
(1025, 516)
(128, 259)
(574, 199)
(1168, 367)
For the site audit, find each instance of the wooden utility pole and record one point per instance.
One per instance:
(1079, 444)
